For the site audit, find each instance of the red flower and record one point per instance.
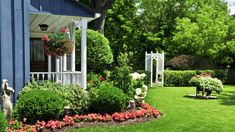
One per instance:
(102, 78)
(45, 38)
(64, 29)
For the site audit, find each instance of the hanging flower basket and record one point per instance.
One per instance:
(58, 44)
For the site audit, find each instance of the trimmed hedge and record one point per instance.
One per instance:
(182, 78)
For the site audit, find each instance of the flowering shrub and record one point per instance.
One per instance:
(138, 79)
(205, 81)
(146, 111)
(94, 80)
(58, 43)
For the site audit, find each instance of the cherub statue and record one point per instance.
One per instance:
(140, 94)
(6, 99)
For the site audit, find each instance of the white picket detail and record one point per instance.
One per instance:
(59, 77)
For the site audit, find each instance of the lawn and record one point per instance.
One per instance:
(183, 114)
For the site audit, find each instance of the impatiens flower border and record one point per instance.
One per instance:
(145, 111)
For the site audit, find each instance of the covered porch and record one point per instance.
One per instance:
(68, 14)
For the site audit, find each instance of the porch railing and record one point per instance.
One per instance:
(60, 77)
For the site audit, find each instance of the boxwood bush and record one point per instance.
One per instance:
(99, 52)
(182, 78)
(3, 122)
(107, 99)
(39, 105)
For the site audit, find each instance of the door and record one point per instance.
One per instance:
(38, 58)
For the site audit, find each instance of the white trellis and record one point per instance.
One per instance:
(159, 58)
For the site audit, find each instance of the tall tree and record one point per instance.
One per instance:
(99, 6)
(121, 28)
(204, 34)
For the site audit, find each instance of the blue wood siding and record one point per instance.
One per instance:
(60, 7)
(14, 43)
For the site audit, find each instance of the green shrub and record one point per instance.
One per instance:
(3, 122)
(99, 52)
(107, 99)
(121, 75)
(182, 78)
(94, 81)
(122, 80)
(39, 105)
(178, 78)
(72, 95)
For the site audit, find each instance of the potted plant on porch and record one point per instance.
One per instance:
(57, 44)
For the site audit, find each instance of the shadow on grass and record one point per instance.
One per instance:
(227, 98)
(193, 96)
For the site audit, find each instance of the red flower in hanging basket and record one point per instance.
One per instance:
(64, 29)
(58, 43)
(45, 38)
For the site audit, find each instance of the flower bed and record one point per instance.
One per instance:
(145, 111)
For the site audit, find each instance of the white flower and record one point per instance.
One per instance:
(135, 76)
(138, 91)
(142, 76)
(145, 87)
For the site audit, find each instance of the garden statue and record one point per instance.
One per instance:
(140, 95)
(6, 99)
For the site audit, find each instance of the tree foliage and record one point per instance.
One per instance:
(201, 28)
(204, 33)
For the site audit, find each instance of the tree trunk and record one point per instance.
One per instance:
(101, 6)
(98, 24)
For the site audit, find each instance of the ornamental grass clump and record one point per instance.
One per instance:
(206, 82)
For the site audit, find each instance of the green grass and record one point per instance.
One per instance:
(183, 114)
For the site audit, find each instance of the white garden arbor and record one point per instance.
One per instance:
(149, 65)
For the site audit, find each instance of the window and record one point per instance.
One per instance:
(37, 50)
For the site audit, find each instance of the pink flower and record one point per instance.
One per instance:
(102, 78)
(45, 38)
(64, 29)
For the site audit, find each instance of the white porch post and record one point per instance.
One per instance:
(49, 66)
(65, 62)
(84, 52)
(57, 69)
(72, 37)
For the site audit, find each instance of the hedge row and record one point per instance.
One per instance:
(181, 78)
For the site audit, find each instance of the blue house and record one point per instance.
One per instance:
(23, 23)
